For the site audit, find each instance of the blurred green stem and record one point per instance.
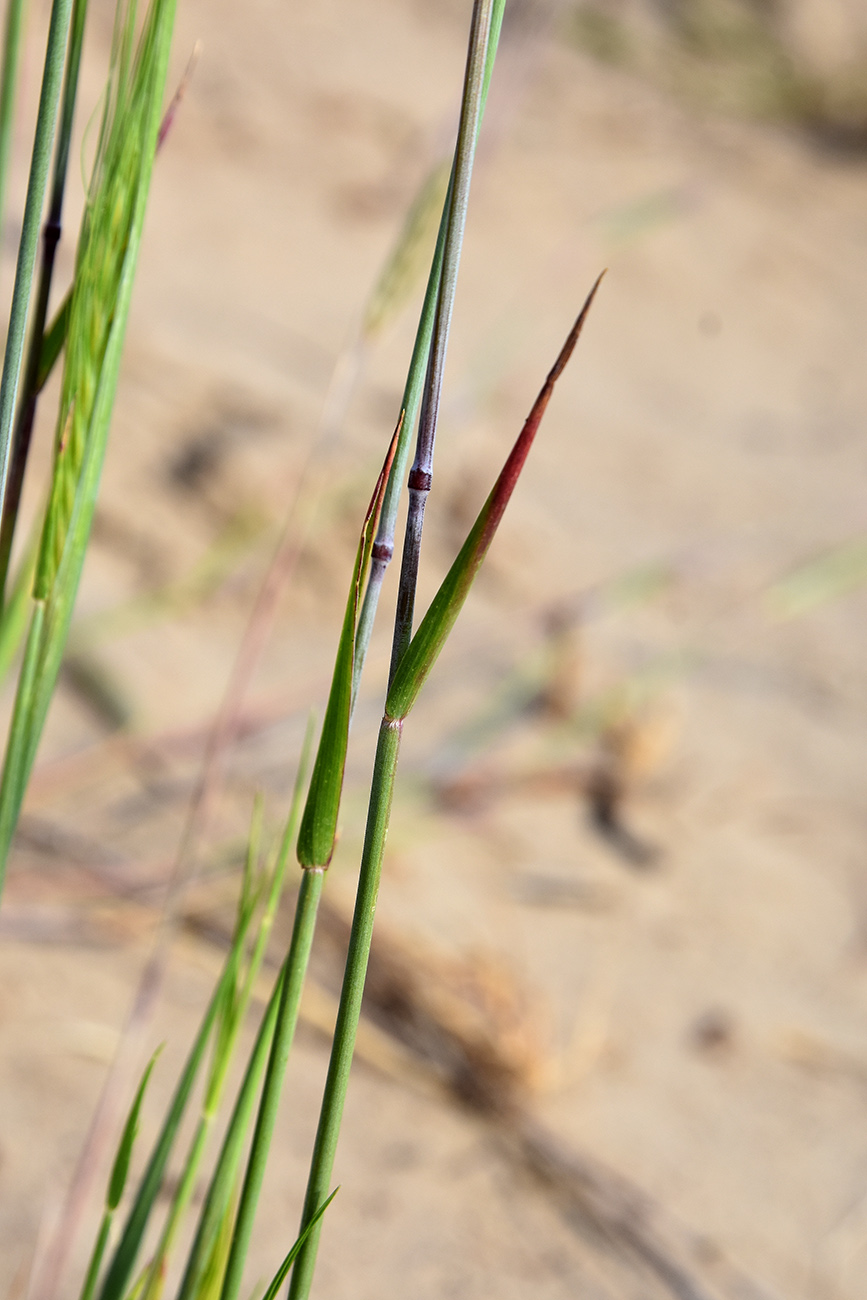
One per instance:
(43, 142)
(51, 232)
(8, 91)
(294, 973)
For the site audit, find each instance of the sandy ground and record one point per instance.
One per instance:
(685, 998)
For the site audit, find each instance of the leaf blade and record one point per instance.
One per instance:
(433, 631)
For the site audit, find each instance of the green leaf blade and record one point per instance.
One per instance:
(282, 1272)
(120, 1169)
(434, 629)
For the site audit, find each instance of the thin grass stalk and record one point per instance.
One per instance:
(43, 142)
(284, 1033)
(383, 548)
(51, 232)
(343, 1043)
(8, 93)
(420, 476)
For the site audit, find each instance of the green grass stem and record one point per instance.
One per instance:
(479, 61)
(383, 549)
(292, 985)
(43, 143)
(349, 1011)
(12, 41)
(51, 232)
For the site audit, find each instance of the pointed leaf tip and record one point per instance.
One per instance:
(434, 629)
(120, 1169)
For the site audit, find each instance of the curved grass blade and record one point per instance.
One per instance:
(120, 1168)
(117, 1181)
(282, 1272)
(433, 631)
(319, 823)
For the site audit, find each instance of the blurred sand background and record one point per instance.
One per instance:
(627, 865)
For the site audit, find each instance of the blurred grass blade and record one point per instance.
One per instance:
(437, 623)
(213, 1225)
(282, 1272)
(13, 622)
(120, 1169)
(413, 246)
(125, 1255)
(319, 823)
(51, 231)
(826, 577)
(52, 343)
(105, 268)
(117, 1182)
(216, 1216)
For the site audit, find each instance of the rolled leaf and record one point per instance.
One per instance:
(319, 823)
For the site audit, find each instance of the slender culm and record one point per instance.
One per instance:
(8, 89)
(420, 475)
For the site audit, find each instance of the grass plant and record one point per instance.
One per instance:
(91, 328)
(99, 304)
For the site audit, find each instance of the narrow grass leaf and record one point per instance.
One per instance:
(319, 823)
(116, 1183)
(434, 629)
(120, 1169)
(125, 1255)
(282, 1272)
